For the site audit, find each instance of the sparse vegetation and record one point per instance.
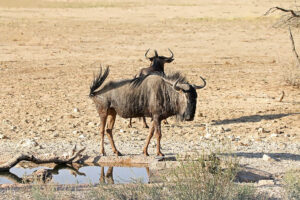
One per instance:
(200, 179)
(47, 193)
(205, 178)
(292, 185)
(293, 77)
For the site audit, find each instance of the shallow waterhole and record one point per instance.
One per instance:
(65, 174)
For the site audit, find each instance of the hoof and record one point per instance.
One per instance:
(103, 154)
(160, 154)
(145, 126)
(118, 153)
(146, 153)
(129, 126)
(165, 122)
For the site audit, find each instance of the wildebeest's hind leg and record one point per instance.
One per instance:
(110, 125)
(145, 150)
(157, 125)
(103, 117)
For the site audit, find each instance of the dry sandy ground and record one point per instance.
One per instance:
(49, 51)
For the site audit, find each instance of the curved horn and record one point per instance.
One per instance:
(174, 84)
(175, 87)
(200, 87)
(171, 54)
(147, 53)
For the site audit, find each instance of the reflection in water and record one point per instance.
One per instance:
(72, 174)
(108, 178)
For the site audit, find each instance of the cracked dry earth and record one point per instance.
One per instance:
(49, 52)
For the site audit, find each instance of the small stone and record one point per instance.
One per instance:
(46, 120)
(76, 110)
(75, 132)
(122, 131)
(267, 158)
(207, 136)
(274, 135)
(3, 136)
(261, 130)
(91, 124)
(231, 137)
(28, 143)
(81, 136)
(55, 135)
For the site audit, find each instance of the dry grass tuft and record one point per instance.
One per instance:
(292, 185)
(292, 77)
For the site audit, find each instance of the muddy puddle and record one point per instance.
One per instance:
(64, 174)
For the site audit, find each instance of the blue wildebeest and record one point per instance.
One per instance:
(153, 96)
(157, 65)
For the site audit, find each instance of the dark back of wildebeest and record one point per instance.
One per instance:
(152, 96)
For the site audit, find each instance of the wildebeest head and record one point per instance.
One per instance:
(187, 98)
(159, 59)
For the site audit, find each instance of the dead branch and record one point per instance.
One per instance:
(294, 48)
(273, 9)
(290, 18)
(39, 159)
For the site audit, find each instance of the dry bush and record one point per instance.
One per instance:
(292, 77)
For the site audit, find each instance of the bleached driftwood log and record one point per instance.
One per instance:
(40, 159)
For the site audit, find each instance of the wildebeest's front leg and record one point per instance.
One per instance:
(110, 125)
(130, 123)
(145, 123)
(145, 150)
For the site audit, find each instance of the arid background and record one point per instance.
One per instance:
(50, 49)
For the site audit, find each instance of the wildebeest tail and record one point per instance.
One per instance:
(98, 81)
